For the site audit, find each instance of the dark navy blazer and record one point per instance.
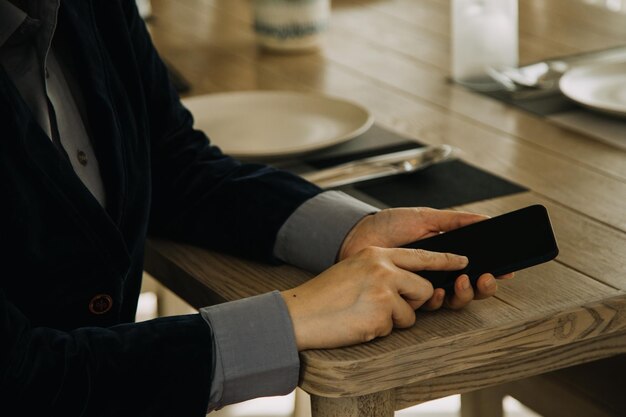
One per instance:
(70, 270)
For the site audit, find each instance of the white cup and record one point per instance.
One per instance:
(290, 25)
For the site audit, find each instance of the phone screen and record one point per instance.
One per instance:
(498, 245)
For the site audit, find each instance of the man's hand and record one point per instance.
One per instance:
(364, 297)
(400, 226)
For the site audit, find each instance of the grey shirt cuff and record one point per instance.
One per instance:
(255, 352)
(312, 236)
(255, 349)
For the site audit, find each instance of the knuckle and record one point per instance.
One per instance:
(378, 325)
(427, 289)
(382, 295)
(449, 258)
(368, 335)
(407, 321)
(424, 255)
(423, 291)
(380, 270)
(420, 210)
(370, 252)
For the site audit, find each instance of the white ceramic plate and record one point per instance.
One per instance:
(601, 87)
(255, 124)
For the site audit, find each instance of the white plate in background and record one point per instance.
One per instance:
(599, 86)
(257, 124)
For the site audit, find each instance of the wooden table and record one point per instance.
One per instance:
(393, 57)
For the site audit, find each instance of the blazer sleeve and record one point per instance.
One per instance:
(200, 195)
(158, 368)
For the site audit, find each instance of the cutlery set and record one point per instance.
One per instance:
(533, 80)
(542, 78)
(402, 162)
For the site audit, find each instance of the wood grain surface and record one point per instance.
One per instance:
(393, 57)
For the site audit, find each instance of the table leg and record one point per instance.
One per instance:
(485, 402)
(380, 404)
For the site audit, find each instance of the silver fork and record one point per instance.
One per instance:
(380, 166)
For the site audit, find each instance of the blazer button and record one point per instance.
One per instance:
(82, 157)
(100, 304)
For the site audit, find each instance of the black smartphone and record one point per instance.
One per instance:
(499, 245)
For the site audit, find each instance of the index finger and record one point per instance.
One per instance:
(423, 260)
(415, 289)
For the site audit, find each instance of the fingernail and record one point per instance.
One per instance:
(491, 282)
(464, 260)
(465, 283)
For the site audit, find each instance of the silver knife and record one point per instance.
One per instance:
(379, 166)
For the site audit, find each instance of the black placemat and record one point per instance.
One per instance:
(447, 184)
(541, 105)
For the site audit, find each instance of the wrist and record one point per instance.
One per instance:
(290, 299)
(345, 249)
